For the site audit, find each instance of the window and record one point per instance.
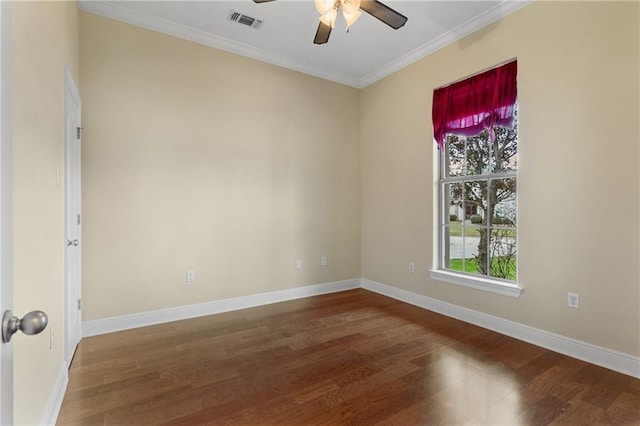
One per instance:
(477, 182)
(478, 204)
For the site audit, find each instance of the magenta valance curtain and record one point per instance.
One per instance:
(475, 104)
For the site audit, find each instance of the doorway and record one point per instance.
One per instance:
(73, 217)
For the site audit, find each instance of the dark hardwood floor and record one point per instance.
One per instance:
(345, 358)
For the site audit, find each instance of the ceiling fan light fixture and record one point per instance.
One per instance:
(328, 10)
(350, 7)
(351, 18)
(324, 6)
(329, 18)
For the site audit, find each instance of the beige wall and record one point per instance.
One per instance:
(45, 39)
(194, 158)
(578, 187)
(199, 159)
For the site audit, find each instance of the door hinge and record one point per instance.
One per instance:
(79, 304)
(79, 219)
(79, 132)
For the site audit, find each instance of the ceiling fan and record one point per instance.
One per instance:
(328, 10)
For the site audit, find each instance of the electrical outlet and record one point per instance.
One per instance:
(298, 263)
(573, 300)
(323, 261)
(412, 267)
(191, 277)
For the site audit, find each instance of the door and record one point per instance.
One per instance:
(73, 217)
(6, 245)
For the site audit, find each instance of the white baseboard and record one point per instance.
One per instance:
(126, 322)
(608, 358)
(51, 411)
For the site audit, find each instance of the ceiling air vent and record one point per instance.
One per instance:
(244, 20)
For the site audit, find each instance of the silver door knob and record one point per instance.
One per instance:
(74, 243)
(32, 323)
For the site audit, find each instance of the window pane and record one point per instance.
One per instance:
(474, 261)
(454, 156)
(453, 201)
(452, 248)
(478, 148)
(457, 247)
(505, 150)
(502, 252)
(475, 201)
(503, 202)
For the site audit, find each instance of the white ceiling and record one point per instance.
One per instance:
(370, 51)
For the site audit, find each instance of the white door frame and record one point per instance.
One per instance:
(6, 210)
(72, 220)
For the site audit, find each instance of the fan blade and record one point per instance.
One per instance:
(262, 1)
(322, 34)
(384, 13)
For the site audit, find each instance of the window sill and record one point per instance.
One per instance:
(483, 284)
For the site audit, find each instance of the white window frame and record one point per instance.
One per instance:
(478, 282)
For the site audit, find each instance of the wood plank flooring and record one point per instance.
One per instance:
(345, 358)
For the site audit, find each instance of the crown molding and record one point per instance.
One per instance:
(490, 16)
(139, 19)
(134, 17)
